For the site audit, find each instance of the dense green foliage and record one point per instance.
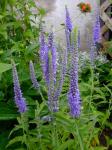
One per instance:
(59, 130)
(18, 41)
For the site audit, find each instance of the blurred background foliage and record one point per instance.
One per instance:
(19, 40)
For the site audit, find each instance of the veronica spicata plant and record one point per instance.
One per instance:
(97, 30)
(74, 94)
(61, 131)
(19, 99)
(48, 63)
(96, 39)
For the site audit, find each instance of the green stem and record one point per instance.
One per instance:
(24, 123)
(41, 95)
(38, 124)
(54, 132)
(78, 136)
(92, 87)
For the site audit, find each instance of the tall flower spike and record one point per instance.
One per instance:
(51, 84)
(68, 20)
(19, 99)
(42, 46)
(61, 81)
(74, 102)
(46, 66)
(32, 76)
(50, 40)
(44, 57)
(58, 91)
(68, 29)
(54, 61)
(52, 48)
(74, 94)
(96, 31)
(68, 44)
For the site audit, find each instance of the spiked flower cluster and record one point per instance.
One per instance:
(44, 57)
(59, 88)
(19, 99)
(44, 52)
(32, 76)
(74, 94)
(96, 31)
(96, 38)
(68, 29)
(52, 48)
(49, 66)
(68, 20)
(42, 46)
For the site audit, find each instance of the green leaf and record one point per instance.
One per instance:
(17, 127)
(3, 138)
(42, 11)
(66, 145)
(1, 16)
(20, 149)
(1, 52)
(99, 148)
(4, 67)
(12, 2)
(16, 139)
(7, 111)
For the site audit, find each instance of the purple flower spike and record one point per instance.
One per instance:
(52, 48)
(42, 46)
(54, 61)
(68, 20)
(74, 102)
(32, 76)
(19, 99)
(68, 44)
(74, 94)
(44, 57)
(50, 40)
(68, 29)
(97, 31)
(46, 66)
